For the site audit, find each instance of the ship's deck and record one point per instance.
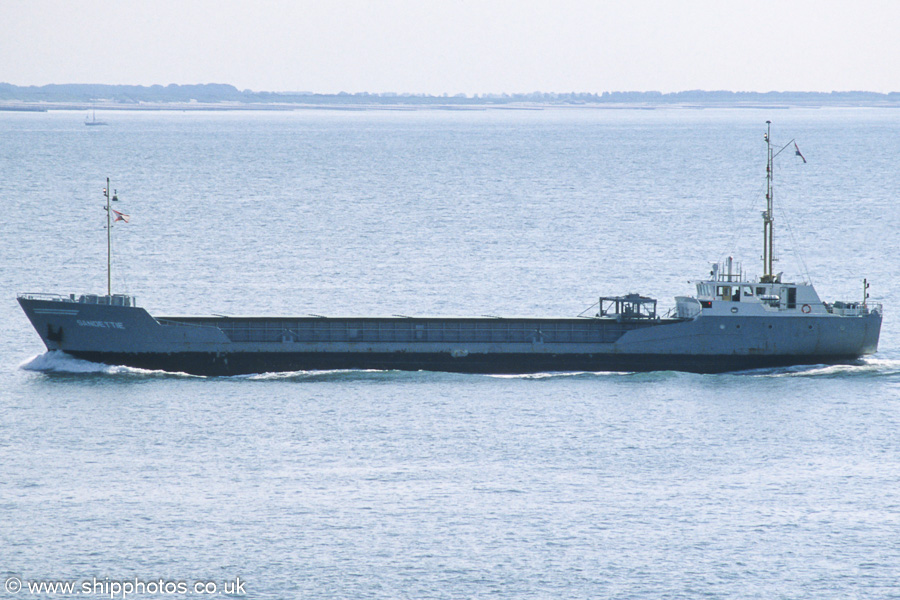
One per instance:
(422, 329)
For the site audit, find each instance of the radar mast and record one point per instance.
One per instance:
(768, 214)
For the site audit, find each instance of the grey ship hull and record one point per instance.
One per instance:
(129, 335)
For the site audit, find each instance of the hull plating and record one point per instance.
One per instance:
(127, 335)
(241, 363)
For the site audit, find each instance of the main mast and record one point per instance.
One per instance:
(768, 215)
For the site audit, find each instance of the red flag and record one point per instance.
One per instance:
(120, 216)
(798, 152)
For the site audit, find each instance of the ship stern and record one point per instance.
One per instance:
(872, 331)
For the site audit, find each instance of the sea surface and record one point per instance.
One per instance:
(762, 484)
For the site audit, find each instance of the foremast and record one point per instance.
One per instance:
(108, 238)
(111, 195)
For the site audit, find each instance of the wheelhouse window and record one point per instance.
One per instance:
(704, 289)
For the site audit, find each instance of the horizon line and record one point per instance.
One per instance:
(446, 94)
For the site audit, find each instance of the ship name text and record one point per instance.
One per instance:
(106, 324)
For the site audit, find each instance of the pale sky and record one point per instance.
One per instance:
(456, 46)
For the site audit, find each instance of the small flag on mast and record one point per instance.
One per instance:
(120, 216)
(797, 149)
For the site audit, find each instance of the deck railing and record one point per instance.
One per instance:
(43, 296)
(114, 300)
(854, 309)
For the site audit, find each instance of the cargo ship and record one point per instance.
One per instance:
(732, 323)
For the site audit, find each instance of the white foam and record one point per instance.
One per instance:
(866, 366)
(279, 375)
(559, 374)
(57, 361)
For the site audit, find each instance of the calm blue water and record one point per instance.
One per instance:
(772, 484)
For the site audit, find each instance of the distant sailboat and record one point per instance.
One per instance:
(93, 120)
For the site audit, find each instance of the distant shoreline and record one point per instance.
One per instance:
(209, 97)
(42, 107)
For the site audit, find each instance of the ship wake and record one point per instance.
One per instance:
(864, 367)
(324, 375)
(560, 375)
(58, 362)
